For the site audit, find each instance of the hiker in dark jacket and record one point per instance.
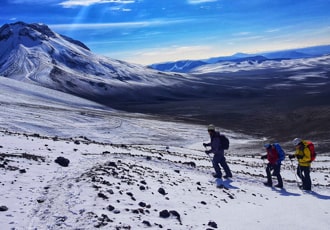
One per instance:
(274, 165)
(217, 150)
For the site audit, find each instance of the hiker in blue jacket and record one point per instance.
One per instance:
(218, 151)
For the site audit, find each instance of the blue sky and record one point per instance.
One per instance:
(152, 31)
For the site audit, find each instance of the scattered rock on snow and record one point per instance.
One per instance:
(77, 142)
(40, 200)
(190, 163)
(147, 223)
(3, 208)
(62, 161)
(176, 214)
(112, 164)
(102, 195)
(142, 204)
(162, 191)
(103, 221)
(110, 207)
(212, 224)
(164, 214)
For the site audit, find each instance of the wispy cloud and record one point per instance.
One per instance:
(116, 8)
(171, 53)
(118, 24)
(73, 3)
(248, 38)
(200, 1)
(273, 30)
(244, 33)
(32, 2)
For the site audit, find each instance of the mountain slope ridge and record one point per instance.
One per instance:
(33, 53)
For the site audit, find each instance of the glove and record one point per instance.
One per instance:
(300, 156)
(263, 157)
(291, 156)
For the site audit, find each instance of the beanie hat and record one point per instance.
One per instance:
(211, 127)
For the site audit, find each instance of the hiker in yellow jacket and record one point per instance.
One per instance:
(303, 154)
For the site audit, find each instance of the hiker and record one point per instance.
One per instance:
(218, 151)
(274, 155)
(303, 154)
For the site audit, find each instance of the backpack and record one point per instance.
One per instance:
(279, 150)
(311, 148)
(224, 141)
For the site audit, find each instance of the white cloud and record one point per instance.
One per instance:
(116, 25)
(157, 55)
(273, 30)
(117, 8)
(31, 1)
(200, 1)
(244, 33)
(73, 3)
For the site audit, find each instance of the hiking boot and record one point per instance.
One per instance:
(279, 186)
(303, 188)
(217, 176)
(268, 184)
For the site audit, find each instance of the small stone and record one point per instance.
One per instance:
(3, 208)
(164, 214)
(162, 191)
(212, 224)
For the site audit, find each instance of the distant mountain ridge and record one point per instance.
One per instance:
(186, 66)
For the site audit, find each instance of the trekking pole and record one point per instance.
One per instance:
(209, 156)
(293, 171)
(207, 153)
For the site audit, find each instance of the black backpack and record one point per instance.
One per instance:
(224, 141)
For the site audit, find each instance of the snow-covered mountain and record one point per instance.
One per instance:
(189, 66)
(178, 66)
(257, 63)
(33, 53)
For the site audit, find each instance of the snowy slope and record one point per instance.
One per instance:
(131, 171)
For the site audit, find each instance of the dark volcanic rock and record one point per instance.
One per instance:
(164, 214)
(212, 224)
(62, 161)
(162, 191)
(3, 208)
